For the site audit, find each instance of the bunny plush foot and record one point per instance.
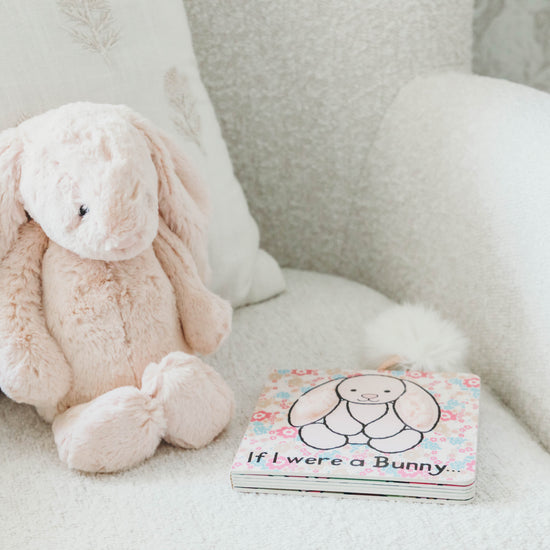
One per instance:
(197, 403)
(115, 431)
(182, 400)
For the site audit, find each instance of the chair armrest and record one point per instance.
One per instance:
(457, 215)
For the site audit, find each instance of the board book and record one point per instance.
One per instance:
(362, 433)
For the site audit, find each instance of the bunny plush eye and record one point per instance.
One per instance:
(353, 389)
(386, 391)
(83, 210)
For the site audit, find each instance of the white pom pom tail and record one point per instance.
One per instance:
(419, 336)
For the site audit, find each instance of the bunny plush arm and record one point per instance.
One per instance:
(205, 317)
(33, 368)
(181, 245)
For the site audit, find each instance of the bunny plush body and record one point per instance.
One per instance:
(103, 303)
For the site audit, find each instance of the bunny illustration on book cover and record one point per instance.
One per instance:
(384, 412)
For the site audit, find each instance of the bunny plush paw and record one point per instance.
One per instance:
(211, 322)
(38, 377)
(197, 402)
(113, 432)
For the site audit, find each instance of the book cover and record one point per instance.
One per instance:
(399, 433)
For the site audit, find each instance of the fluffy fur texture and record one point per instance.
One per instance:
(415, 336)
(103, 282)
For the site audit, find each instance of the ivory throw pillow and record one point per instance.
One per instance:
(139, 53)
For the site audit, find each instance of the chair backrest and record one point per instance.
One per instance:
(300, 89)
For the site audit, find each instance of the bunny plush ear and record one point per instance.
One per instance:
(12, 213)
(417, 408)
(314, 404)
(183, 197)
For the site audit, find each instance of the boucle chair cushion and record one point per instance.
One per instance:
(184, 499)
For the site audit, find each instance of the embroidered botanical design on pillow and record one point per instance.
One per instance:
(91, 24)
(185, 114)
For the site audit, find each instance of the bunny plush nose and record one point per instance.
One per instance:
(369, 396)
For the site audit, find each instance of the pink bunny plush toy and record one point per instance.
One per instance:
(103, 303)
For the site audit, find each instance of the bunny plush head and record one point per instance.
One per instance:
(96, 177)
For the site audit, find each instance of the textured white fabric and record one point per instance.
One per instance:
(300, 89)
(456, 214)
(183, 499)
(419, 336)
(139, 53)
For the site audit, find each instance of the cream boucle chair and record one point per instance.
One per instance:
(370, 156)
